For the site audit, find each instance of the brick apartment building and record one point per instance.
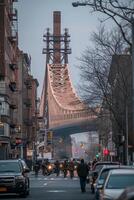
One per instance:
(120, 78)
(18, 89)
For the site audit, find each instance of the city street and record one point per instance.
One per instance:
(54, 188)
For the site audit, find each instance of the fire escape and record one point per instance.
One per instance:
(12, 30)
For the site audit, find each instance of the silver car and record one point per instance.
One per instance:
(116, 181)
(127, 194)
(103, 175)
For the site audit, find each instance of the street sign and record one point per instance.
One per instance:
(112, 153)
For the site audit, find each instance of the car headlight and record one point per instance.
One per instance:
(49, 167)
(19, 178)
(61, 165)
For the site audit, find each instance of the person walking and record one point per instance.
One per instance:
(65, 168)
(57, 168)
(71, 169)
(82, 171)
(36, 168)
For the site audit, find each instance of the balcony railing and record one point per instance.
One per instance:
(13, 15)
(5, 119)
(13, 66)
(28, 122)
(13, 123)
(13, 104)
(28, 102)
(28, 84)
(12, 86)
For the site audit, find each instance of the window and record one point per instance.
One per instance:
(120, 181)
(9, 167)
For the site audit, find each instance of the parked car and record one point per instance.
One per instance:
(14, 177)
(98, 165)
(127, 194)
(117, 180)
(103, 175)
(96, 169)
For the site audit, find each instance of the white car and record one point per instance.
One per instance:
(116, 181)
(103, 175)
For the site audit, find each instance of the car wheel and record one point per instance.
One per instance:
(25, 193)
(92, 189)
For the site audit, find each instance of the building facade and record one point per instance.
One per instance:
(18, 89)
(120, 79)
(8, 74)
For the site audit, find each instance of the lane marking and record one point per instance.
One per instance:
(56, 191)
(54, 179)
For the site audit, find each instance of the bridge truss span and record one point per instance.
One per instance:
(59, 104)
(64, 105)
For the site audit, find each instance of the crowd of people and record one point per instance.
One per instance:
(81, 167)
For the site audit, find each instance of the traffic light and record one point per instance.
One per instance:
(49, 137)
(106, 152)
(18, 141)
(98, 155)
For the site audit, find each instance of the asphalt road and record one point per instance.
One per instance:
(54, 188)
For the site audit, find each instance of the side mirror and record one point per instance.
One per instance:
(99, 187)
(94, 175)
(90, 173)
(26, 170)
(100, 182)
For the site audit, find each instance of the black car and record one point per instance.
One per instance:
(14, 177)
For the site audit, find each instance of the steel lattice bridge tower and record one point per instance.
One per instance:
(59, 104)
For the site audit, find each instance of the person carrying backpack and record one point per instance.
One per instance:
(82, 171)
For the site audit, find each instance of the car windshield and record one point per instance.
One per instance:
(103, 175)
(98, 168)
(120, 181)
(9, 167)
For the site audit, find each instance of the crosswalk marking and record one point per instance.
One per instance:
(56, 191)
(53, 178)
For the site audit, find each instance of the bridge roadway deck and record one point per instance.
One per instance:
(75, 128)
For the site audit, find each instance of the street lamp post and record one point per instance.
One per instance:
(77, 3)
(126, 138)
(132, 21)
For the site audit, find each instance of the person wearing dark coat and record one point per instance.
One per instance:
(36, 168)
(57, 167)
(82, 171)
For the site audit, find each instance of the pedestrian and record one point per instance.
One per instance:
(65, 168)
(82, 171)
(89, 165)
(36, 168)
(93, 163)
(57, 168)
(44, 167)
(71, 169)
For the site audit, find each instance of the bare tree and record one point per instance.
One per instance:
(95, 69)
(97, 61)
(120, 11)
(95, 65)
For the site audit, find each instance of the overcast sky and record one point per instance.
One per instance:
(35, 16)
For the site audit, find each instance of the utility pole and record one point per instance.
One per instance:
(132, 21)
(126, 138)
